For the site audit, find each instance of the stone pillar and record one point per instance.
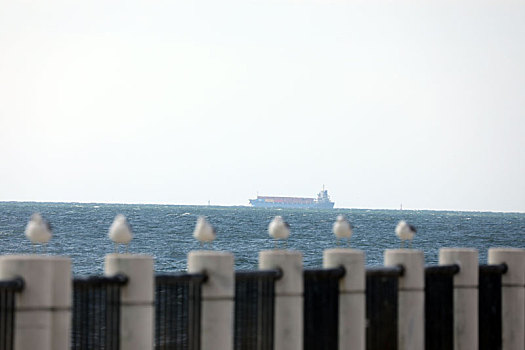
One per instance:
(218, 292)
(62, 301)
(289, 304)
(137, 297)
(352, 306)
(466, 336)
(512, 296)
(43, 308)
(411, 297)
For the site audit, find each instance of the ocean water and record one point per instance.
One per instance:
(165, 231)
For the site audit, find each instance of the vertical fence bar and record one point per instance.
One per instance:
(195, 293)
(254, 304)
(136, 299)
(96, 312)
(512, 295)
(465, 295)
(217, 297)
(288, 327)
(490, 317)
(411, 297)
(246, 312)
(321, 308)
(177, 311)
(352, 306)
(382, 308)
(439, 307)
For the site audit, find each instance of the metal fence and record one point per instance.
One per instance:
(381, 307)
(490, 337)
(96, 312)
(96, 309)
(178, 311)
(7, 311)
(439, 307)
(321, 308)
(254, 309)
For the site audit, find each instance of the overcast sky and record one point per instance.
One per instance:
(181, 102)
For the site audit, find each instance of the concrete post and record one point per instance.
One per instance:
(352, 307)
(62, 303)
(137, 296)
(465, 295)
(289, 322)
(43, 308)
(411, 297)
(217, 313)
(512, 296)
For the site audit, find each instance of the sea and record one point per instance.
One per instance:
(80, 231)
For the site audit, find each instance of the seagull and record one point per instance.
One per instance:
(405, 232)
(279, 229)
(120, 232)
(342, 229)
(204, 231)
(38, 230)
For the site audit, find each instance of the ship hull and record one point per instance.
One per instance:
(262, 204)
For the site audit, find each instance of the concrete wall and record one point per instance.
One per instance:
(43, 308)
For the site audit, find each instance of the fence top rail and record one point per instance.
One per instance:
(247, 274)
(386, 271)
(496, 269)
(178, 277)
(16, 284)
(335, 272)
(119, 280)
(442, 269)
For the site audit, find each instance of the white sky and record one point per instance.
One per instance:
(419, 102)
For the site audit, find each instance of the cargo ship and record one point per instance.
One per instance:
(321, 202)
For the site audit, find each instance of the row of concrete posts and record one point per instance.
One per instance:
(43, 308)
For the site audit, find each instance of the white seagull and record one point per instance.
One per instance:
(38, 230)
(120, 232)
(405, 232)
(342, 229)
(279, 229)
(204, 231)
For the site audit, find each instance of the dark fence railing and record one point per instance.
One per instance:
(178, 311)
(489, 289)
(321, 308)
(96, 309)
(254, 309)
(439, 307)
(96, 312)
(7, 311)
(381, 307)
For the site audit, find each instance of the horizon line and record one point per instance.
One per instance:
(248, 206)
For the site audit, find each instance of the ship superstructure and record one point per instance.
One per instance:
(321, 202)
